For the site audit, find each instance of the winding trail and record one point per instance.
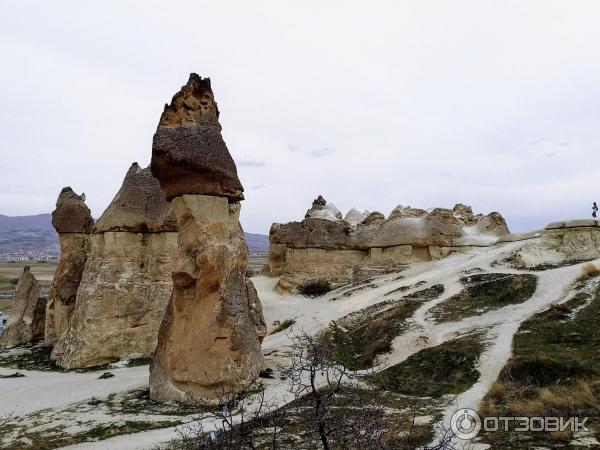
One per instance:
(39, 390)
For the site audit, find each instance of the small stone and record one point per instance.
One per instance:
(106, 375)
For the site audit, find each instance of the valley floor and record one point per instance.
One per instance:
(405, 325)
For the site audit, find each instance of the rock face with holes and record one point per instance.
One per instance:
(561, 243)
(126, 282)
(325, 247)
(28, 315)
(210, 336)
(73, 223)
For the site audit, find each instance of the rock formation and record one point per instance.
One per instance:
(210, 337)
(560, 243)
(334, 250)
(26, 323)
(73, 223)
(126, 283)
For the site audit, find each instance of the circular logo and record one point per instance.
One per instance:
(465, 423)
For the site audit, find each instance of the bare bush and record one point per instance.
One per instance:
(314, 288)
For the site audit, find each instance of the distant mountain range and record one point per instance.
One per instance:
(36, 235)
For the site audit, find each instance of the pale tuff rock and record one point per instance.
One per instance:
(354, 216)
(211, 333)
(26, 323)
(73, 222)
(561, 243)
(121, 299)
(139, 206)
(125, 284)
(338, 251)
(322, 210)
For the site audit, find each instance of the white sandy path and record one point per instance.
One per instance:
(315, 314)
(56, 389)
(41, 390)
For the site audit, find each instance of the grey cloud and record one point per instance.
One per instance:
(250, 163)
(256, 187)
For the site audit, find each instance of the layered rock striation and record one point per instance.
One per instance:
(126, 282)
(28, 316)
(210, 337)
(73, 222)
(336, 250)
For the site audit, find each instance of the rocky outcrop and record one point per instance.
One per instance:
(189, 155)
(320, 209)
(73, 222)
(336, 250)
(210, 336)
(71, 214)
(126, 282)
(27, 319)
(560, 243)
(139, 206)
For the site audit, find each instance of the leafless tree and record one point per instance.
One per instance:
(240, 421)
(333, 409)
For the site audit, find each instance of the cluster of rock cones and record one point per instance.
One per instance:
(162, 273)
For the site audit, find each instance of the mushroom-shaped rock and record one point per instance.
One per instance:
(139, 206)
(71, 214)
(189, 155)
(73, 222)
(27, 319)
(209, 339)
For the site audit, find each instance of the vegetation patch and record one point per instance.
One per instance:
(28, 357)
(357, 339)
(314, 288)
(554, 371)
(283, 326)
(36, 356)
(363, 417)
(485, 292)
(94, 419)
(449, 368)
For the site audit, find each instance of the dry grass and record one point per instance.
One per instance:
(557, 400)
(588, 270)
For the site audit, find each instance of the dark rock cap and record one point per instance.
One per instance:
(72, 214)
(189, 155)
(139, 206)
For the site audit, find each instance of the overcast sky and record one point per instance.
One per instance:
(372, 104)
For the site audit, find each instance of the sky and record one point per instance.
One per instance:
(371, 104)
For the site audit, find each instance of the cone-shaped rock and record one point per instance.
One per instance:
(139, 206)
(26, 323)
(189, 155)
(73, 222)
(210, 337)
(126, 283)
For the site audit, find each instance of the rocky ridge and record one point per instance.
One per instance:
(326, 247)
